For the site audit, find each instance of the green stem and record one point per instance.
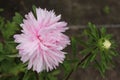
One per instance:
(72, 70)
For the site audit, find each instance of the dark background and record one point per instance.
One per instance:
(77, 12)
(73, 11)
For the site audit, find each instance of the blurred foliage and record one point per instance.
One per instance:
(100, 46)
(1, 9)
(106, 9)
(10, 66)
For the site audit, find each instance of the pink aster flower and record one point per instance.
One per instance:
(42, 40)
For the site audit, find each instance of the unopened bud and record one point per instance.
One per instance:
(106, 44)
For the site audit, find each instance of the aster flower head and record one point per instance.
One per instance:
(42, 40)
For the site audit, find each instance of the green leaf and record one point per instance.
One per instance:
(26, 75)
(97, 65)
(17, 18)
(9, 30)
(34, 11)
(113, 53)
(74, 46)
(10, 67)
(55, 72)
(106, 9)
(10, 48)
(2, 57)
(67, 66)
(16, 69)
(51, 77)
(86, 62)
(30, 75)
(13, 56)
(93, 56)
(92, 31)
(72, 61)
(1, 47)
(103, 31)
(86, 51)
(108, 36)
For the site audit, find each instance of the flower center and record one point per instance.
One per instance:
(39, 38)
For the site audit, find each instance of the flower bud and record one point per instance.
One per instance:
(106, 44)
